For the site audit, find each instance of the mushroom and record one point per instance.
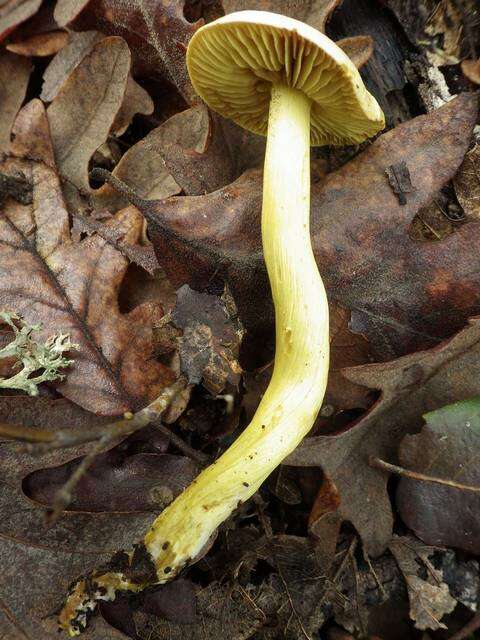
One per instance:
(281, 78)
(277, 77)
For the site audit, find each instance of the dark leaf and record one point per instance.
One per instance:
(157, 33)
(211, 340)
(12, 94)
(411, 386)
(447, 447)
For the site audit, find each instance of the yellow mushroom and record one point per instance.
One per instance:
(281, 78)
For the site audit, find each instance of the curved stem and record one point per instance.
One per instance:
(291, 403)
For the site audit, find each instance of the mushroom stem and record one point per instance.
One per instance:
(291, 403)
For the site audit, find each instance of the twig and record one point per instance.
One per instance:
(468, 629)
(41, 440)
(415, 475)
(182, 446)
(110, 433)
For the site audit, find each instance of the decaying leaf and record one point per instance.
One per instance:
(85, 108)
(467, 184)
(446, 21)
(157, 33)
(12, 94)
(447, 447)
(136, 100)
(211, 339)
(14, 12)
(73, 287)
(358, 48)
(429, 598)
(411, 386)
(403, 295)
(39, 562)
(62, 65)
(40, 44)
(186, 153)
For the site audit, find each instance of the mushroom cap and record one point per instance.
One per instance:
(233, 61)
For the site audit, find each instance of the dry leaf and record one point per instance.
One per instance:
(358, 48)
(157, 33)
(467, 184)
(136, 100)
(85, 108)
(12, 94)
(62, 65)
(40, 44)
(429, 598)
(447, 447)
(403, 294)
(14, 12)
(210, 344)
(410, 387)
(73, 287)
(186, 153)
(39, 562)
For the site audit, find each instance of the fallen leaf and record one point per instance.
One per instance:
(447, 447)
(115, 482)
(12, 94)
(429, 598)
(73, 287)
(403, 295)
(85, 108)
(467, 184)
(410, 386)
(62, 65)
(136, 100)
(186, 153)
(14, 12)
(40, 45)
(141, 255)
(157, 33)
(39, 562)
(471, 69)
(210, 344)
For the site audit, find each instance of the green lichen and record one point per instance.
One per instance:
(38, 362)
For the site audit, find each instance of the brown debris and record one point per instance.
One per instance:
(400, 181)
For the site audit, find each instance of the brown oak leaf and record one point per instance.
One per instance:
(410, 387)
(73, 287)
(85, 108)
(157, 33)
(403, 295)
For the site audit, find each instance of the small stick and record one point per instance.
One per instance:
(124, 427)
(378, 463)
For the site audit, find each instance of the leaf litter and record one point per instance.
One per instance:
(78, 259)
